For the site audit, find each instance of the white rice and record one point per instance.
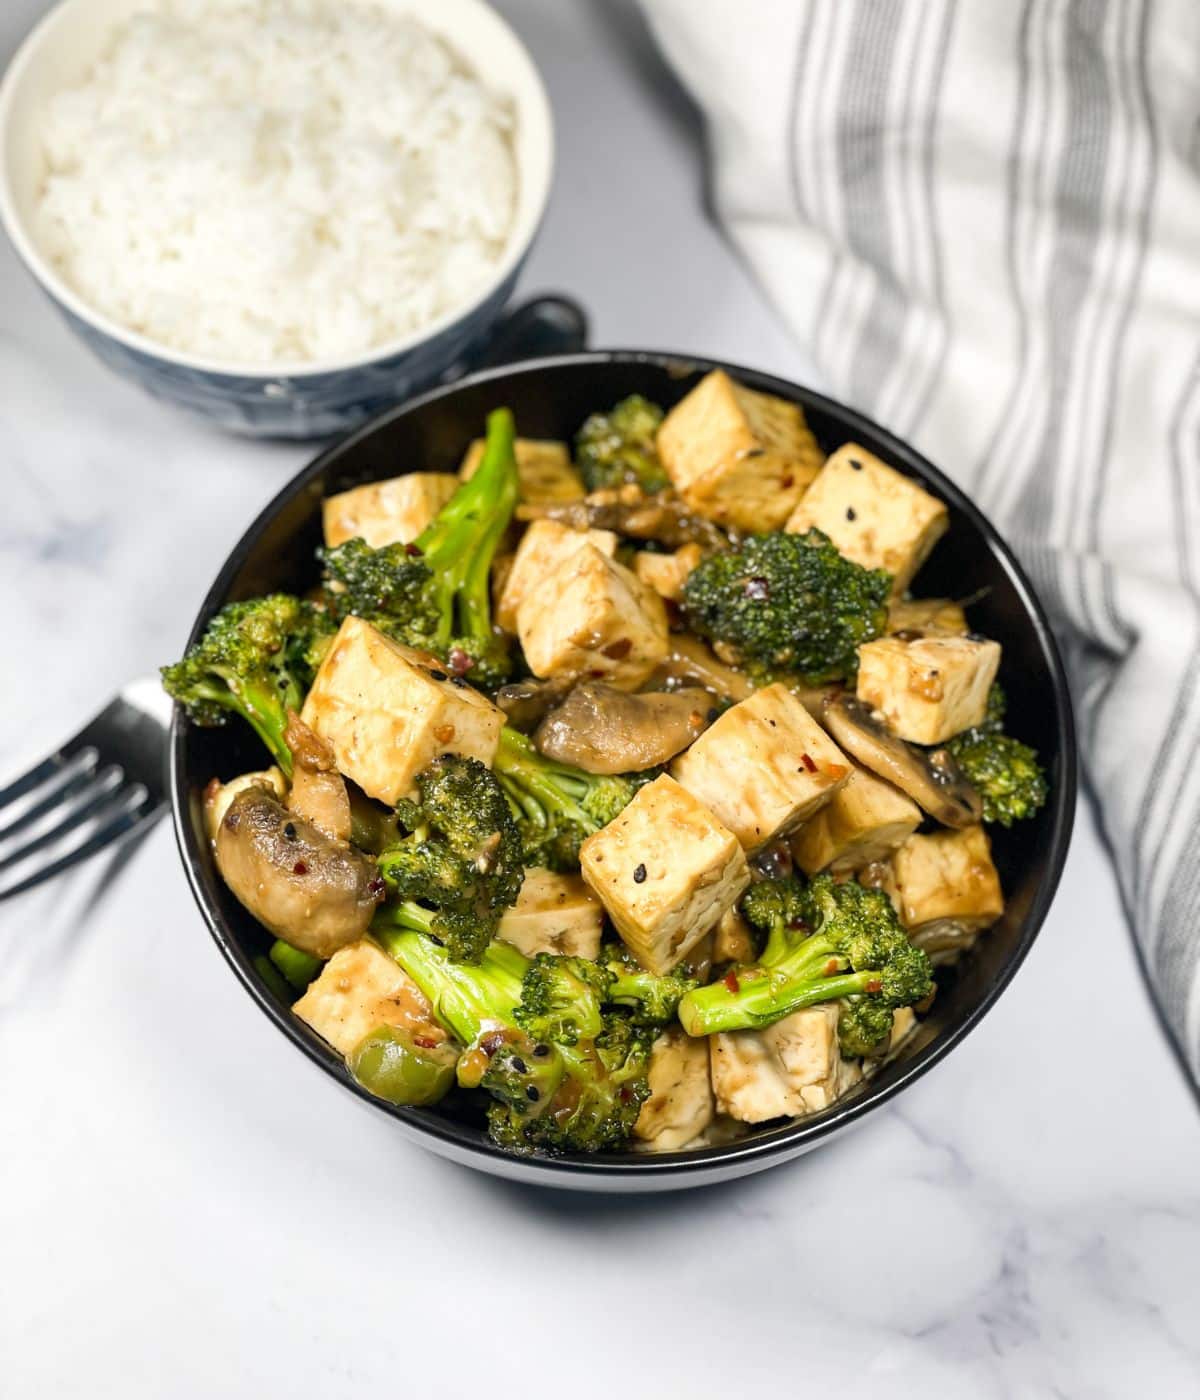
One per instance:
(264, 180)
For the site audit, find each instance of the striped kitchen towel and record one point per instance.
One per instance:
(984, 220)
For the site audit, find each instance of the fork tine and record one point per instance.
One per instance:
(125, 814)
(34, 778)
(60, 818)
(67, 776)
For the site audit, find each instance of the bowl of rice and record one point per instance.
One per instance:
(282, 214)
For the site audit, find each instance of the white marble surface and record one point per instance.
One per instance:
(188, 1209)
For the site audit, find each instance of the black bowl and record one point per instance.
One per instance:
(550, 398)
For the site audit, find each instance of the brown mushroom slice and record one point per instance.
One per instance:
(604, 730)
(691, 660)
(628, 511)
(318, 790)
(933, 780)
(317, 893)
(526, 703)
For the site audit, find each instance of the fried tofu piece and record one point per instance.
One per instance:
(553, 914)
(544, 546)
(360, 989)
(763, 767)
(665, 870)
(592, 617)
(666, 573)
(544, 467)
(789, 1069)
(927, 617)
(948, 888)
(388, 711)
(931, 689)
(680, 1106)
(864, 820)
(387, 512)
(732, 939)
(875, 515)
(739, 457)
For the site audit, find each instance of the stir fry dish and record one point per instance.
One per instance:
(621, 791)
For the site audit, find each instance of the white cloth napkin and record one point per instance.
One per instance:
(984, 221)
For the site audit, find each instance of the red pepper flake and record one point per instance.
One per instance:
(376, 886)
(806, 759)
(459, 662)
(299, 868)
(618, 650)
(491, 1042)
(831, 967)
(786, 481)
(412, 550)
(443, 733)
(425, 1042)
(875, 985)
(731, 981)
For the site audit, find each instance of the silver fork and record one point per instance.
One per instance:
(97, 790)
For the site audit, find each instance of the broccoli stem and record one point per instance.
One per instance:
(262, 706)
(531, 774)
(299, 968)
(763, 998)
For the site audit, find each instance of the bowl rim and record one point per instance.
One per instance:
(696, 1166)
(521, 237)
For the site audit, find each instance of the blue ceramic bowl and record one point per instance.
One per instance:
(275, 400)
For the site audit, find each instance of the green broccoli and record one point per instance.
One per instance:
(555, 805)
(581, 1093)
(618, 447)
(789, 605)
(825, 941)
(1006, 773)
(256, 659)
(434, 593)
(647, 1000)
(298, 967)
(561, 998)
(461, 863)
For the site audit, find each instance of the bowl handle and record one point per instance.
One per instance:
(545, 325)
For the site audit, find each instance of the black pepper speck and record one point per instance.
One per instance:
(639, 874)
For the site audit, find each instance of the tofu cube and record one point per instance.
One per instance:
(875, 515)
(592, 617)
(360, 989)
(665, 573)
(665, 870)
(544, 467)
(927, 617)
(732, 939)
(544, 546)
(864, 820)
(763, 767)
(387, 512)
(680, 1106)
(385, 714)
(553, 914)
(948, 888)
(737, 456)
(789, 1069)
(931, 689)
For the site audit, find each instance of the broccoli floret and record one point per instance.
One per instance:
(646, 999)
(789, 605)
(618, 447)
(578, 1094)
(825, 941)
(435, 592)
(256, 659)
(557, 806)
(561, 998)
(461, 862)
(1006, 773)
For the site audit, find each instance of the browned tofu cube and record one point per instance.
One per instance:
(360, 989)
(387, 512)
(665, 870)
(680, 1106)
(553, 914)
(592, 617)
(763, 767)
(388, 711)
(865, 820)
(787, 1070)
(927, 617)
(948, 888)
(738, 457)
(544, 546)
(666, 573)
(930, 689)
(544, 467)
(876, 516)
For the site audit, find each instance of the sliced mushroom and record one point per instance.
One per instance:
(690, 660)
(933, 780)
(318, 789)
(604, 730)
(526, 703)
(629, 511)
(317, 893)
